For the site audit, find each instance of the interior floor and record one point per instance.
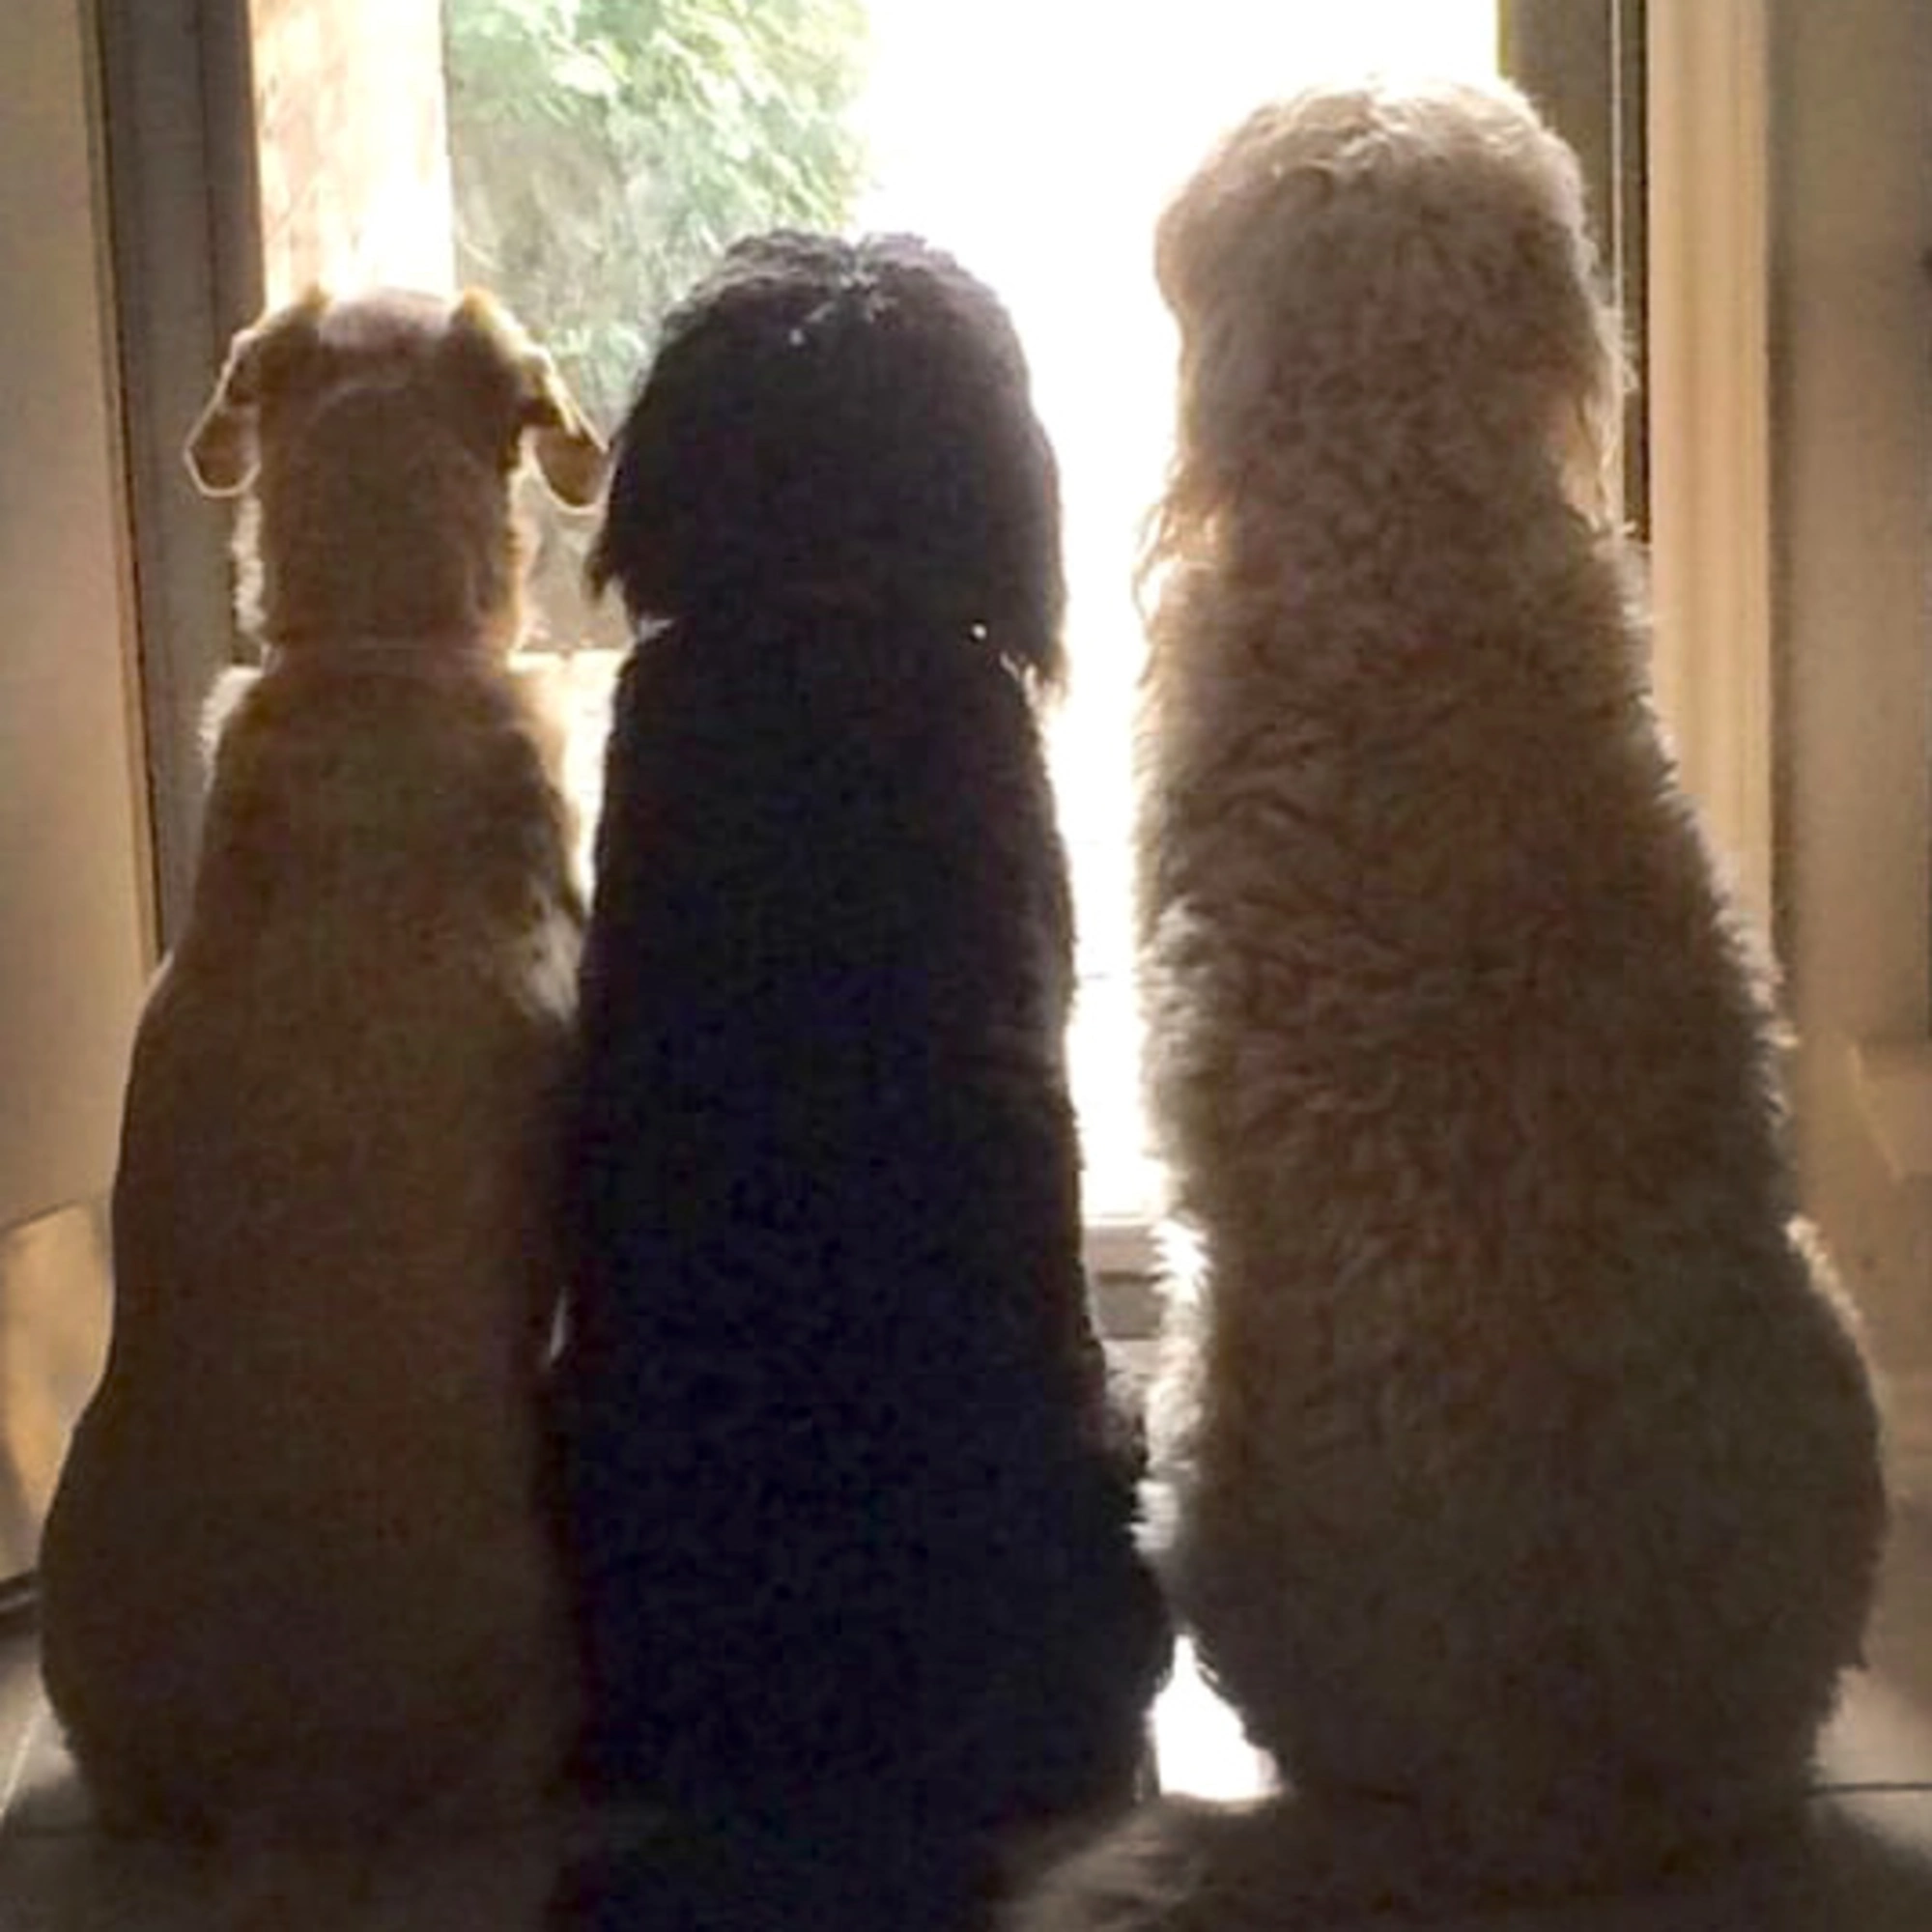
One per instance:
(1865, 1867)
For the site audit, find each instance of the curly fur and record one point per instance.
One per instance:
(295, 1578)
(1523, 1469)
(851, 1510)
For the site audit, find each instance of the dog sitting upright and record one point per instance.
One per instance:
(1525, 1491)
(851, 1510)
(295, 1577)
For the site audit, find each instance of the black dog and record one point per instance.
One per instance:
(851, 1514)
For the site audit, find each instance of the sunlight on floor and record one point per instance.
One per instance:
(1198, 1741)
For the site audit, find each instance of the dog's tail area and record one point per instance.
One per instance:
(1274, 1864)
(817, 1871)
(1287, 1862)
(484, 1882)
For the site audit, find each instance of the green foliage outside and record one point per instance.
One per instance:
(606, 152)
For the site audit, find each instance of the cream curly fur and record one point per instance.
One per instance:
(295, 1580)
(1522, 1469)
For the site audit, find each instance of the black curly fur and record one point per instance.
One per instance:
(850, 1514)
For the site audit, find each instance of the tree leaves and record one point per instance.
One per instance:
(605, 151)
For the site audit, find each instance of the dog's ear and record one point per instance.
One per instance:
(222, 448)
(570, 454)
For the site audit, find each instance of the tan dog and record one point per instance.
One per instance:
(1525, 1489)
(295, 1577)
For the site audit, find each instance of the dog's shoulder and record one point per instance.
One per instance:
(540, 691)
(380, 779)
(226, 697)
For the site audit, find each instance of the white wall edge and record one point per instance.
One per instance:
(1907, 1402)
(1894, 1083)
(1709, 417)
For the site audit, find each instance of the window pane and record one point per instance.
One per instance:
(353, 148)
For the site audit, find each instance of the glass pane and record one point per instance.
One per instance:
(354, 145)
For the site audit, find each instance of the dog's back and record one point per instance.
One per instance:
(849, 1509)
(295, 1575)
(1527, 1498)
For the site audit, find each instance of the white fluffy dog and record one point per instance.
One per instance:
(295, 1578)
(1522, 1468)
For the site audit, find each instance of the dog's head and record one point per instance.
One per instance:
(838, 423)
(380, 437)
(1418, 256)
